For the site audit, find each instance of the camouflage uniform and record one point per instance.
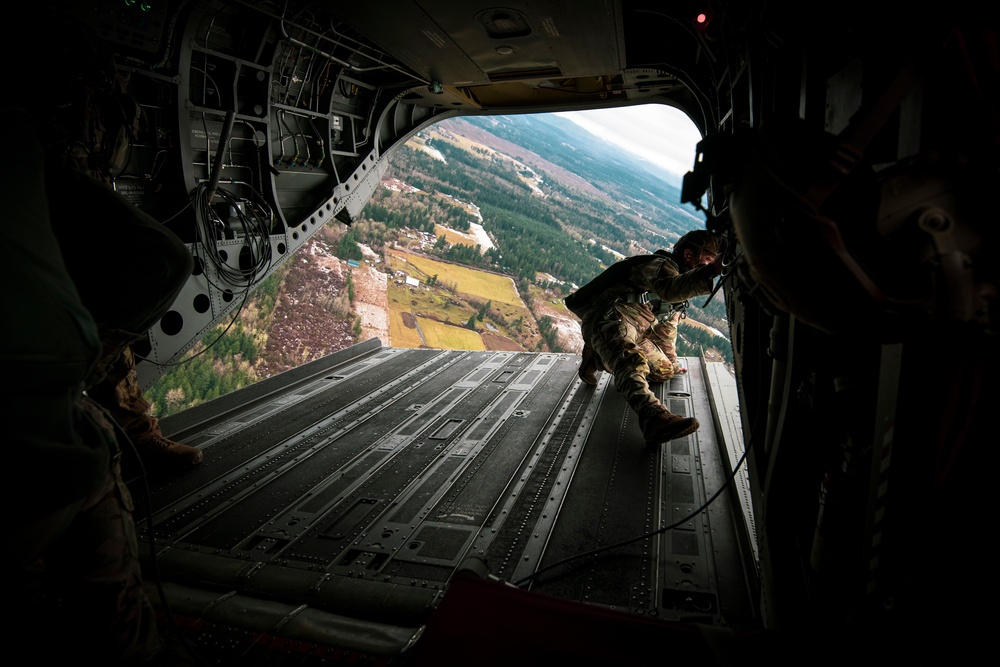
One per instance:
(120, 394)
(77, 584)
(95, 562)
(659, 346)
(94, 273)
(623, 330)
(90, 124)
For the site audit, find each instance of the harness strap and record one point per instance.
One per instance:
(641, 298)
(636, 297)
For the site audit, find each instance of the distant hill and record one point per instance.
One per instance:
(579, 160)
(555, 198)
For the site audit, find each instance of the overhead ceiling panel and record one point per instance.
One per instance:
(477, 43)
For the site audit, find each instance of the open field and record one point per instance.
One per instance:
(408, 330)
(459, 294)
(435, 303)
(447, 337)
(479, 284)
(403, 329)
(455, 237)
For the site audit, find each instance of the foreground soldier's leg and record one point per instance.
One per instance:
(96, 562)
(590, 364)
(120, 394)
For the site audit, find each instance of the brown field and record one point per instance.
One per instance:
(497, 343)
(455, 237)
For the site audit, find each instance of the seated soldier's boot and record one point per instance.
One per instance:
(589, 366)
(665, 426)
(155, 448)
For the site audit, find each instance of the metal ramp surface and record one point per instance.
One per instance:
(336, 501)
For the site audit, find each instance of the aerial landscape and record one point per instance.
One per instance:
(471, 242)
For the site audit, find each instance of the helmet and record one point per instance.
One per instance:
(699, 240)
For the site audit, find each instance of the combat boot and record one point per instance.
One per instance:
(589, 365)
(664, 426)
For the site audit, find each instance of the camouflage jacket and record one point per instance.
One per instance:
(621, 285)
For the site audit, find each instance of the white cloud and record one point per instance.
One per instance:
(656, 132)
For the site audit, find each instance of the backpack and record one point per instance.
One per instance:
(581, 300)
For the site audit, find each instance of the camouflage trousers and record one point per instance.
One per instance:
(93, 566)
(636, 349)
(659, 346)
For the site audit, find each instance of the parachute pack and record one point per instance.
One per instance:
(579, 300)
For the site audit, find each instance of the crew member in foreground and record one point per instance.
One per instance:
(620, 326)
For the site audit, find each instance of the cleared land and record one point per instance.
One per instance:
(442, 336)
(455, 237)
(487, 286)
(403, 329)
(458, 294)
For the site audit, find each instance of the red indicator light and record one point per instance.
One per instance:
(702, 20)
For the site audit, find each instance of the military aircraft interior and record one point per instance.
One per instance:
(390, 506)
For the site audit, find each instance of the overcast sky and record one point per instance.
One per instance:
(656, 132)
